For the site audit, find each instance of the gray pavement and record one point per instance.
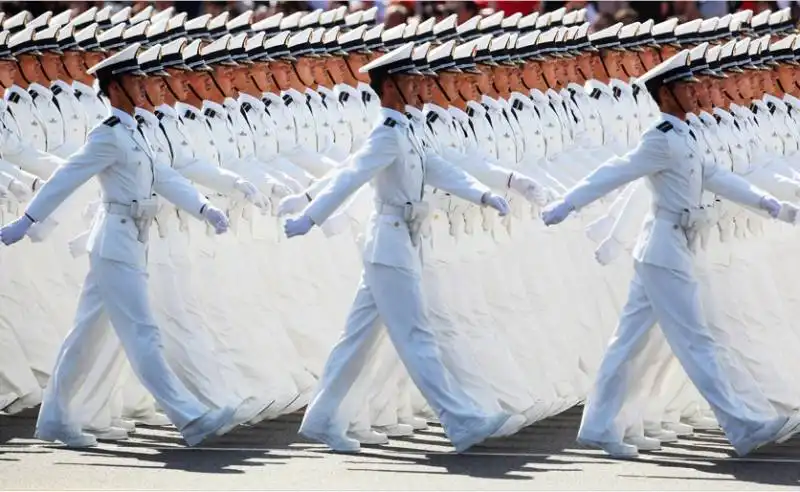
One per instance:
(272, 456)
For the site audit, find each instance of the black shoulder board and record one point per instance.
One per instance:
(343, 97)
(431, 117)
(33, 94)
(470, 112)
(595, 94)
(78, 94)
(718, 118)
(209, 112)
(617, 92)
(13, 97)
(188, 114)
(390, 122)
(665, 126)
(246, 106)
(771, 107)
(111, 121)
(517, 105)
(266, 102)
(636, 90)
(754, 108)
(366, 97)
(159, 115)
(56, 90)
(287, 99)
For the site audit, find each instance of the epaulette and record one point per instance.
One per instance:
(665, 126)
(754, 108)
(267, 102)
(33, 94)
(78, 94)
(343, 97)
(246, 106)
(56, 90)
(390, 122)
(771, 107)
(111, 121)
(718, 118)
(159, 115)
(287, 99)
(595, 93)
(636, 90)
(431, 117)
(617, 92)
(366, 97)
(209, 112)
(470, 112)
(14, 97)
(139, 119)
(517, 105)
(190, 115)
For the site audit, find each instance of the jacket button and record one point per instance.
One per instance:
(675, 227)
(397, 224)
(123, 221)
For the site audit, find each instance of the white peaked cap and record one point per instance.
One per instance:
(528, 40)
(426, 26)
(393, 33)
(200, 22)
(469, 24)
(543, 21)
(353, 34)
(724, 21)
(645, 27)
(122, 15)
(582, 15)
(219, 21)
(123, 61)
(713, 53)
(442, 51)
(482, 43)
(40, 21)
(112, 33)
(410, 28)
(136, 30)
(150, 56)
(237, 41)
(698, 52)
(24, 36)
(316, 35)
(465, 50)
(668, 26)
(329, 16)
(548, 36)
(570, 18)
(528, 21)
(796, 44)
(84, 18)
(17, 21)
(583, 30)
(61, 19)
(784, 43)
(420, 52)
(332, 35)
(370, 15)
(163, 14)
(557, 15)
(47, 33)
(726, 49)
(218, 45)
(673, 69)
(192, 49)
(373, 32)
(272, 22)
(446, 24)
(709, 25)
(255, 41)
(629, 30)
(779, 16)
(353, 19)
(241, 21)
(298, 38)
(499, 43)
(690, 27)
(173, 47)
(310, 19)
(561, 34)
(611, 32)
(491, 21)
(142, 15)
(760, 18)
(86, 33)
(339, 14)
(104, 14)
(741, 47)
(291, 21)
(397, 60)
(759, 44)
(511, 21)
(156, 28)
(277, 40)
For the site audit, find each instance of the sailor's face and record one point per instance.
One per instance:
(134, 87)
(91, 58)
(282, 71)
(549, 71)
(745, 84)
(339, 71)
(584, 64)
(32, 69)
(484, 80)
(426, 89)
(242, 81)
(305, 70)
(500, 76)
(409, 87)
(223, 75)
(686, 94)
(667, 51)
(320, 71)
(52, 66)
(715, 93)
(448, 81)
(532, 75)
(467, 87)
(633, 64)
(155, 87)
(785, 75)
(613, 62)
(703, 94)
(8, 72)
(261, 78)
(598, 69)
(768, 83)
(571, 73)
(73, 62)
(178, 83)
(731, 88)
(649, 57)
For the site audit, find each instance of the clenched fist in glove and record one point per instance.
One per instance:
(216, 218)
(496, 202)
(789, 213)
(21, 192)
(528, 188)
(251, 193)
(557, 212)
(293, 204)
(14, 231)
(298, 227)
(771, 206)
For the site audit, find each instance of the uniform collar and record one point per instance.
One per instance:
(149, 118)
(553, 95)
(252, 101)
(706, 118)
(124, 118)
(230, 104)
(167, 110)
(792, 101)
(324, 91)
(362, 87)
(723, 115)
(576, 89)
(313, 95)
(352, 91)
(272, 97)
(22, 93)
(62, 85)
(693, 120)
(538, 96)
(593, 84)
(430, 107)
(40, 91)
(217, 108)
(678, 124)
(779, 104)
(295, 94)
(183, 108)
(457, 113)
(397, 116)
(760, 105)
(475, 109)
(491, 102)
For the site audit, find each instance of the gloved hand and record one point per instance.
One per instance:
(608, 251)
(789, 213)
(557, 212)
(771, 206)
(14, 231)
(298, 227)
(530, 189)
(21, 192)
(77, 245)
(251, 193)
(292, 204)
(41, 230)
(91, 210)
(496, 202)
(216, 218)
(335, 225)
(280, 190)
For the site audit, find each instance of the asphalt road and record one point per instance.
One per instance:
(272, 456)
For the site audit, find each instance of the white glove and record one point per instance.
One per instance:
(247, 189)
(77, 245)
(497, 202)
(91, 209)
(41, 230)
(14, 231)
(608, 251)
(557, 212)
(335, 225)
(530, 189)
(292, 204)
(21, 192)
(216, 218)
(771, 205)
(298, 227)
(789, 213)
(280, 190)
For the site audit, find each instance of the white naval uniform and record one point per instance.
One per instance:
(20, 104)
(663, 289)
(51, 118)
(115, 288)
(94, 107)
(390, 286)
(73, 116)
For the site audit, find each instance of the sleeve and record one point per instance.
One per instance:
(311, 162)
(32, 160)
(377, 153)
(649, 157)
(15, 172)
(780, 186)
(731, 186)
(629, 222)
(490, 174)
(170, 184)
(452, 179)
(99, 153)
(209, 175)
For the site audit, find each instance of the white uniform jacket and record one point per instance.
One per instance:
(127, 171)
(668, 157)
(393, 158)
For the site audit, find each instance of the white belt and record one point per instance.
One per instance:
(416, 215)
(118, 209)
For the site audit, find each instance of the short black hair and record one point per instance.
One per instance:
(376, 81)
(103, 82)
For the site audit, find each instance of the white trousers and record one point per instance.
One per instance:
(392, 297)
(115, 292)
(672, 299)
